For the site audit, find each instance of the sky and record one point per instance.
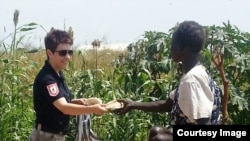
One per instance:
(119, 21)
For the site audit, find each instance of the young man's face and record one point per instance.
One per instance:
(176, 51)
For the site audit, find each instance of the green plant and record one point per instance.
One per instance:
(144, 73)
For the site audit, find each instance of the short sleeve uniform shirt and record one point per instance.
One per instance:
(48, 87)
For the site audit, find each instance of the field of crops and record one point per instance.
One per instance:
(134, 73)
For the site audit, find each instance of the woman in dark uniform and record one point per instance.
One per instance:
(52, 99)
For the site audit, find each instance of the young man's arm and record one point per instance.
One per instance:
(156, 106)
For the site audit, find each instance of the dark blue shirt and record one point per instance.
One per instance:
(48, 87)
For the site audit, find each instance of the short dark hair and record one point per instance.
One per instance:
(189, 34)
(56, 37)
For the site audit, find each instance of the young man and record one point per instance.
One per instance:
(52, 99)
(193, 101)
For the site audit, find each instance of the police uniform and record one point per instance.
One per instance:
(48, 87)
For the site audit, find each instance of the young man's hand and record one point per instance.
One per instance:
(127, 106)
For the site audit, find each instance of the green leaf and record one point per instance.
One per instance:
(27, 29)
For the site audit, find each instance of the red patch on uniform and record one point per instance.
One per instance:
(53, 89)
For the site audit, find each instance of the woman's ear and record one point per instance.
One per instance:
(49, 53)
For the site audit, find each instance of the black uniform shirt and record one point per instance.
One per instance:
(48, 87)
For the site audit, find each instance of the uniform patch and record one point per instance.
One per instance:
(53, 89)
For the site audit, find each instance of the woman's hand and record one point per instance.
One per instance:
(99, 109)
(80, 101)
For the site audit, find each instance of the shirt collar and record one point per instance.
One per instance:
(48, 65)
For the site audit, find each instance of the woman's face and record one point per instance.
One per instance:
(59, 59)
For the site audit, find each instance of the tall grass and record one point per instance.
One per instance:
(92, 73)
(16, 79)
(16, 98)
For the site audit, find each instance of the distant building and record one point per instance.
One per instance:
(120, 46)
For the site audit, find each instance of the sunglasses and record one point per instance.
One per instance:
(64, 52)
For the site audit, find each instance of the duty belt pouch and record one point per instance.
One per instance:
(38, 130)
(84, 132)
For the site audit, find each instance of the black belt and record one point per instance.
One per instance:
(39, 126)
